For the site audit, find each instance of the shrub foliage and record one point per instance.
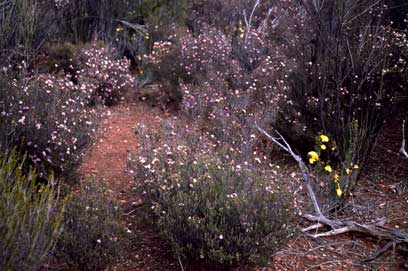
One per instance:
(48, 122)
(206, 204)
(30, 219)
(91, 235)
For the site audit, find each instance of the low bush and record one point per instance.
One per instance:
(49, 122)
(103, 74)
(30, 218)
(91, 235)
(207, 204)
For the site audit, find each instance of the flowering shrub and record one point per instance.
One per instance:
(103, 75)
(48, 114)
(47, 120)
(207, 204)
(92, 234)
(30, 219)
(224, 82)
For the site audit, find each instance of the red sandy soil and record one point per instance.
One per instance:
(107, 161)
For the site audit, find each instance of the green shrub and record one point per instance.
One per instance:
(212, 208)
(91, 235)
(29, 217)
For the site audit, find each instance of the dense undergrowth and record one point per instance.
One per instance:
(326, 74)
(92, 236)
(30, 216)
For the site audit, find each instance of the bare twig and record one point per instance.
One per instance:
(313, 227)
(181, 264)
(136, 207)
(381, 251)
(304, 169)
(402, 149)
(248, 21)
(137, 27)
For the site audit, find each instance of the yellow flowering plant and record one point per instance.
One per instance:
(341, 175)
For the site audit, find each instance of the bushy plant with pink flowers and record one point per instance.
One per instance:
(44, 118)
(207, 203)
(103, 74)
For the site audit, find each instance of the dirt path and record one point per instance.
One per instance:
(107, 162)
(114, 142)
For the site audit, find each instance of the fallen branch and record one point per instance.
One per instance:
(305, 171)
(376, 229)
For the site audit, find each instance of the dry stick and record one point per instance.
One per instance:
(181, 265)
(402, 150)
(305, 172)
(248, 22)
(376, 229)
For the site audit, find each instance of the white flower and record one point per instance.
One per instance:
(22, 120)
(221, 237)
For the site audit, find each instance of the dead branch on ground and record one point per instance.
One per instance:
(336, 227)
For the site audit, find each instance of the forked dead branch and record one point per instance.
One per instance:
(376, 229)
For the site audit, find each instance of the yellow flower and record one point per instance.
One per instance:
(336, 177)
(323, 147)
(339, 192)
(356, 166)
(153, 52)
(328, 168)
(313, 156)
(324, 138)
(139, 57)
(348, 171)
